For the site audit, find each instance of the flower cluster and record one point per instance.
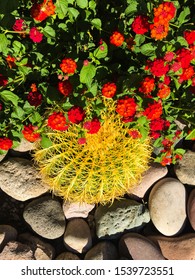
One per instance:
(162, 15)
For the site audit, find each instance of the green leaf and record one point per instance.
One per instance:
(49, 32)
(87, 73)
(183, 15)
(82, 3)
(131, 8)
(35, 118)
(96, 22)
(73, 13)
(101, 51)
(191, 135)
(7, 6)
(18, 113)
(148, 49)
(142, 120)
(182, 41)
(3, 42)
(139, 39)
(7, 96)
(61, 8)
(45, 141)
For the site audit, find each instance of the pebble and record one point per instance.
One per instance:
(15, 250)
(191, 208)
(104, 250)
(137, 247)
(176, 248)
(46, 217)
(167, 206)
(152, 175)
(77, 237)
(122, 215)
(67, 256)
(24, 146)
(7, 233)
(185, 168)
(77, 210)
(41, 249)
(20, 179)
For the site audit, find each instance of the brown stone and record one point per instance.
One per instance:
(191, 208)
(176, 248)
(16, 251)
(137, 247)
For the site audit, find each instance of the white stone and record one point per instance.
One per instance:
(76, 210)
(167, 206)
(77, 237)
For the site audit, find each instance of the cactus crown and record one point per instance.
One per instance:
(106, 167)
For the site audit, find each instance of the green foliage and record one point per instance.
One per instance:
(81, 30)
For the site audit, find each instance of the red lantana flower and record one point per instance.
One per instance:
(190, 36)
(184, 57)
(158, 67)
(126, 107)
(35, 35)
(57, 121)
(3, 81)
(82, 141)
(159, 124)
(76, 114)
(109, 90)
(68, 66)
(30, 134)
(159, 30)
(5, 143)
(147, 85)
(164, 91)
(34, 98)
(41, 11)
(65, 87)
(117, 39)
(92, 126)
(134, 133)
(10, 61)
(140, 24)
(153, 111)
(19, 25)
(187, 74)
(165, 12)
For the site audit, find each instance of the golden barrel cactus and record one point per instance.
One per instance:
(108, 165)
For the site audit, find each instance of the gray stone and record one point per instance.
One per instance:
(152, 175)
(7, 233)
(45, 216)
(138, 247)
(41, 249)
(15, 250)
(20, 179)
(103, 250)
(185, 168)
(167, 206)
(122, 215)
(76, 209)
(77, 237)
